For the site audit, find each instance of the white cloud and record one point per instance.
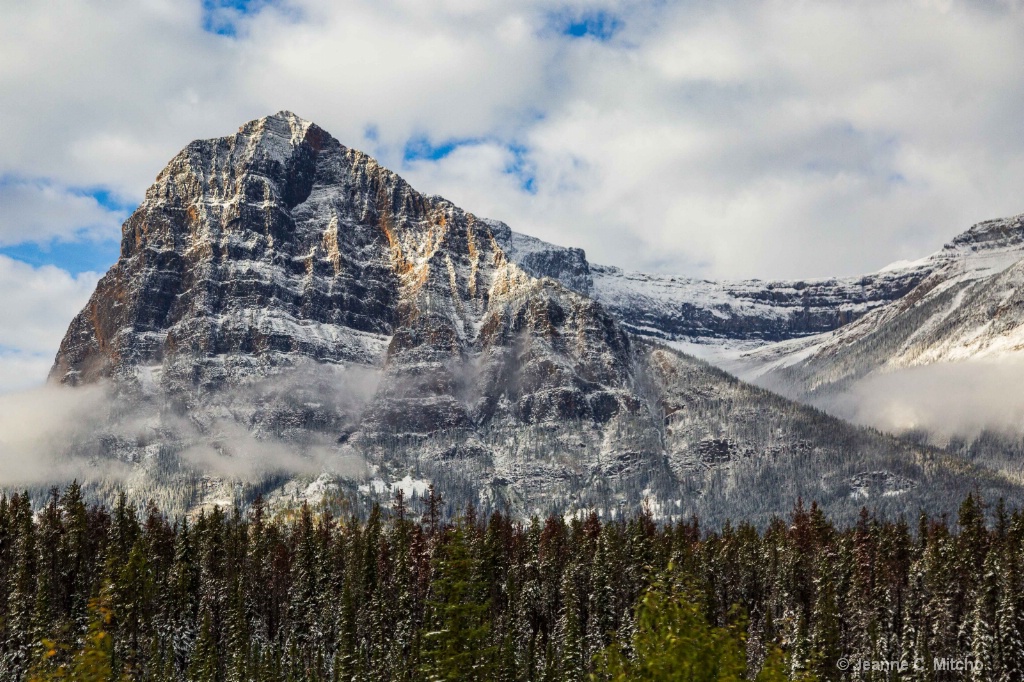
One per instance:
(946, 400)
(762, 138)
(40, 211)
(38, 425)
(23, 369)
(747, 138)
(36, 306)
(779, 139)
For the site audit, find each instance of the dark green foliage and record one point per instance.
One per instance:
(89, 593)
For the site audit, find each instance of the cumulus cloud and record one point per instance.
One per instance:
(20, 369)
(36, 306)
(772, 139)
(38, 303)
(746, 138)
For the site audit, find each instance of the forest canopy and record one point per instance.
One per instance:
(90, 593)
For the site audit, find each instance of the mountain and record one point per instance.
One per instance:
(703, 311)
(288, 317)
(924, 349)
(940, 365)
(969, 306)
(697, 311)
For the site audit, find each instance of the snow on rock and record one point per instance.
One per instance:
(970, 306)
(287, 316)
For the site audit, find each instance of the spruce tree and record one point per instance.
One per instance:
(457, 645)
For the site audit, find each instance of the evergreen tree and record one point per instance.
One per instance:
(294, 595)
(569, 630)
(457, 645)
(826, 631)
(985, 638)
(21, 645)
(674, 641)
(1010, 624)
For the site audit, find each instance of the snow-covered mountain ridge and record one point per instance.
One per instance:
(706, 316)
(942, 365)
(677, 308)
(288, 316)
(970, 306)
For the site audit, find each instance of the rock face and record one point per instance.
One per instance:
(278, 244)
(278, 250)
(238, 257)
(284, 306)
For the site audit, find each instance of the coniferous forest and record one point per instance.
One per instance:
(407, 594)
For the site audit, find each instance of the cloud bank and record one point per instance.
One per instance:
(284, 424)
(946, 400)
(37, 427)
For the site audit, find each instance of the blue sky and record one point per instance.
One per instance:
(596, 24)
(749, 138)
(86, 243)
(76, 257)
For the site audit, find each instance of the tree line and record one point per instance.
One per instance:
(89, 593)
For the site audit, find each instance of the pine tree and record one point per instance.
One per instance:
(89, 594)
(21, 645)
(569, 629)
(916, 634)
(205, 662)
(984, 625)
(826, 631)
(1010, 624)
(78, 557)
(181, 602)
(457, 646)
(50, 614)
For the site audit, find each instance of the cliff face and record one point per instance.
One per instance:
(279, 253)
(240, 255)
(680, 308)
(676, 308)
(284, 305)
(279, 244)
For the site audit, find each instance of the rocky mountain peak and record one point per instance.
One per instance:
(278, 244)
(283, 121)
(990, 234)
(284, 298)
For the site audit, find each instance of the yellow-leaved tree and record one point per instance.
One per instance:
(91, 662)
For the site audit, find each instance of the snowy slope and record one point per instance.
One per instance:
(970, 307)
(683, 309)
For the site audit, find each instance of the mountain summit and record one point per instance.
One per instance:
(289, 317)
(279, 245)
